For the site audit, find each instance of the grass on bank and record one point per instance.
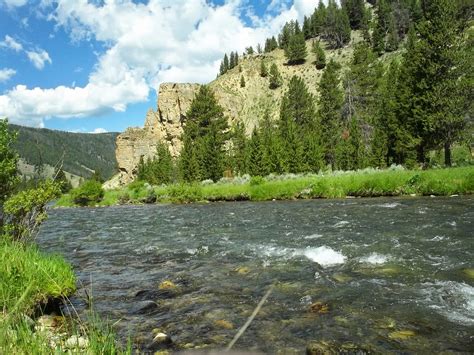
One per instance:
(364, 183)
(28, 279)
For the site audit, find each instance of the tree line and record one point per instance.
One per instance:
(373, 114)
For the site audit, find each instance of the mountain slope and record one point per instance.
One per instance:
(81, 153)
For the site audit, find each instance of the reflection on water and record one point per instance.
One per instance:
(395, 274)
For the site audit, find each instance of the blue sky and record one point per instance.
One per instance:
(93, 66)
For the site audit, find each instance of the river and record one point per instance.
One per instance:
(381, 275)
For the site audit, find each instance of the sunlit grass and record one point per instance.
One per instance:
(364, 183)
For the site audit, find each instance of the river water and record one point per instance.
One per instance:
(396, 274)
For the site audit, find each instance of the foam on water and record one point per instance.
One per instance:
(375, 258)
(389, 205)
(341, 224)
(313, 236)
(454, 300)
(324, 256)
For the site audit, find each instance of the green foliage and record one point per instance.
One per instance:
(8, 162)
(160, 169)
(263, 69)
(318, 51)
(90, 192)
(329, 111)
(204, 136)
(239, 148)
(25, 210)
(295, 50)
(275, 77)
(61, 179)
(242, 81)
(433, 95)
(355, 10)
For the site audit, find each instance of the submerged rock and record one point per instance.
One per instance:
(331, 348)
(222, 323)
(242, 270)
(402, 334)
(319, 308)
(162, 338)
(144, 307)
(167, 285)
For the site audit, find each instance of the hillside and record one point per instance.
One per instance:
(246, 104)
(82, 153)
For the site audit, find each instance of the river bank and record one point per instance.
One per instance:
(364, 183)
(33, 286)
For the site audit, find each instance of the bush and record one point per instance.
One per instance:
(89, 192)
(256, 180)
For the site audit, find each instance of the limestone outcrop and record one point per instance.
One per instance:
(165, 124)
(247, 104)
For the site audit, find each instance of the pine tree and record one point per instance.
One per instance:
(383, 17)
(242, 81)
(284, 36)
(297, 120)
(231, 60)
(318, 51)
(296, 52)
(202, 156)
(239, 149)
(226, 63)
(263, 69)
(337, 29)
(355, 11)
(307, 30)
(275, 77)
(259, 48)
(329, 111)
(318, 19)
(393, 39)
(256, 155)
(435, 94)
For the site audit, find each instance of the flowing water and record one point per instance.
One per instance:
(397, 275)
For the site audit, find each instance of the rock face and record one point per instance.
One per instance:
(165, 124)
(246, 104)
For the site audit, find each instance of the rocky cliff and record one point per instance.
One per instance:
(247, 104)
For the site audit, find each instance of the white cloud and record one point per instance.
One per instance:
(147, 44)
(38, 57)
(13, 3)
(99, 130)
(10, 43)
(6, 74)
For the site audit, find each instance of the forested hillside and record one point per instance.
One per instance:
(365, 84)
(81, 153)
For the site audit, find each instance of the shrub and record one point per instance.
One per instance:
(256, 180)
(89, 192)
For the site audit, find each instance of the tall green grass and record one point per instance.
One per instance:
(28, 279)
(364, 183)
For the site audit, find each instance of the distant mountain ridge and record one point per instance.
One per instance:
(82, 153)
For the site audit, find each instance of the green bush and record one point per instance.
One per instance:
(256, 180)
(89, 192)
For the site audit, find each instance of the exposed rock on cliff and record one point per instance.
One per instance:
(247, 104)
(166, 124)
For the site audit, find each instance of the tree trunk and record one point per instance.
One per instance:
(447, 154)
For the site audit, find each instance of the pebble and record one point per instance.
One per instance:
(76, 341)
(161, 338)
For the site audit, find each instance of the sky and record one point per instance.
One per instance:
(95, 66)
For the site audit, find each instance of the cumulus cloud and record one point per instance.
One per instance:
(10, 43)
(6, 74)
(38, 57)
(147, 44)
(13, 3)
